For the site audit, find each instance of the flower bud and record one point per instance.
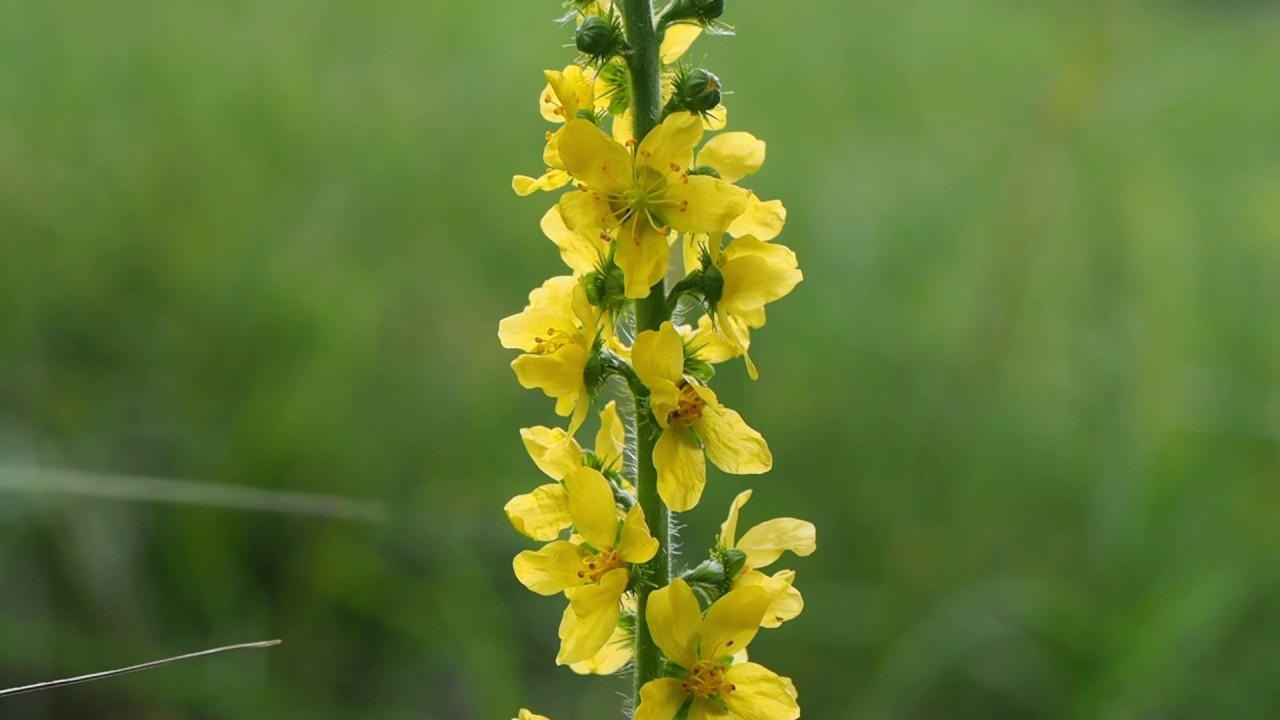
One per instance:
(697, 90)
(705, 170)
(599, 39)
(734, 560)
(703, 12)
(708, 579)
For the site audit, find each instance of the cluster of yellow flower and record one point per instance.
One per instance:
(643, 210)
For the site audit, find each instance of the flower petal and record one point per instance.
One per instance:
(786, 601)
(611, 658)
(643, 254)
(765, 220)
(756, 272)
(675, 619)
(612, 437)
(526, 715)
(559, 374)
(658, 356)
(712, 346)
(677, 40)
(551, 569)
(526, 329)
(636, 545)
(732, 621)
(541, 514)
(702, 204)
(734, 155)
(587, 210)
(759, 694)
(552, 450)
(591, 618)
(594, 158)
(580, 251)
(623, 128)
(682, 468)
(552, 179)
(595, 517)
(705, 709)
(670, 143)
(766, 542)
(660, 699)
(731, 444)
(729, 528)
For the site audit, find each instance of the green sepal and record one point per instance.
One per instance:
(708, 580)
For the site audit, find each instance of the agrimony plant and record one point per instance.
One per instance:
(671, 264)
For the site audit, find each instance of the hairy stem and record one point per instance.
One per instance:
(651, 312)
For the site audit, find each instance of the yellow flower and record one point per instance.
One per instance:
(762, 545)
(567, 92)
(734, 156)
(755, 273)
(593, 567)
(645, 195)
(555, 331)
(544, 513)
(526, 715)
(704, 649)
(692, 419)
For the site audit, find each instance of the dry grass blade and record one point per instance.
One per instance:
(52, 684)
(188, 492)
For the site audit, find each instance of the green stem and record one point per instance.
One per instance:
(651, 312)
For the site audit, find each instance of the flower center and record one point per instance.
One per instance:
(645, 201)
(707, 680)
(551, 341)
(689, 408)
(595, 566)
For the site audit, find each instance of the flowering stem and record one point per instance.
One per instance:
(651, 312)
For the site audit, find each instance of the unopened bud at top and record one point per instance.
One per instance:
(599, 39)
(703, 12)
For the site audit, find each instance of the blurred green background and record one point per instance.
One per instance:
(1029, 390)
